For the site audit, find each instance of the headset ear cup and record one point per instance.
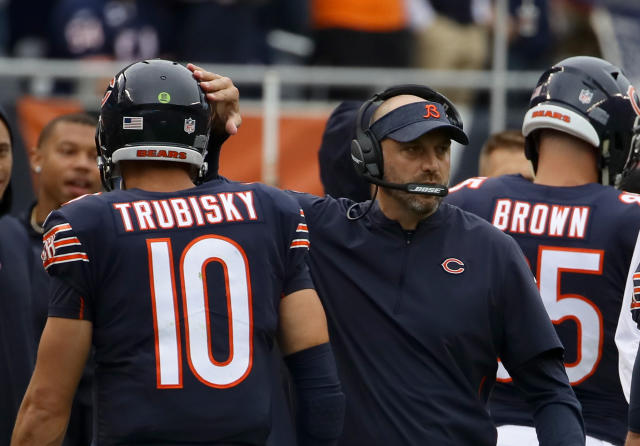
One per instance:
(357, 157)
(373, 157)
(364, 154)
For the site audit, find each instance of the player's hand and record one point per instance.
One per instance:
(224, 98)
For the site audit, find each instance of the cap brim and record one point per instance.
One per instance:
(417, 129)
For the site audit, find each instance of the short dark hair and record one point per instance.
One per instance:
(507, 139)
(74, 118)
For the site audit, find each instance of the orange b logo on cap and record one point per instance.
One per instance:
(432, 111)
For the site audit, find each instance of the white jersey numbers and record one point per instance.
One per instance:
(552, 263)
(197, 308)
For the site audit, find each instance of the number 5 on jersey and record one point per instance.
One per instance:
(552, 262)
(196, 309)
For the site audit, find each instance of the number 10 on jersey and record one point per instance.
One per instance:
(196, 308)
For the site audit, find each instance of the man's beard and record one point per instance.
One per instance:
(420, 205)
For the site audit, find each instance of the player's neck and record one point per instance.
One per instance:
(41, 210)
(155, 177)
(566, 165)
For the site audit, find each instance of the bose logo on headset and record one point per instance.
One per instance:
(425, 189)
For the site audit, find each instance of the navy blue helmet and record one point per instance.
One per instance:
(588, 98)
(152, 110)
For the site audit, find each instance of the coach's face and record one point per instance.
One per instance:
(423, 160)
(6, 158)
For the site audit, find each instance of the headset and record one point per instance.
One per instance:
(366, 152)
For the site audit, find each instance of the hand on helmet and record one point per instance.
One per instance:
(223, 97)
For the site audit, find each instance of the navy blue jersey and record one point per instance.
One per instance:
(183, 292)
(17, 352)
(40, 300)
(579, 243)
(418, 318)
(80, 420)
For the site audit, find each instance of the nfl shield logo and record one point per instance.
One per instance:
(585, 96)
(189, 125)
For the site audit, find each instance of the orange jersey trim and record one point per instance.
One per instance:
(66, 258)
(53, 231)
(300, 243)
(66, 242)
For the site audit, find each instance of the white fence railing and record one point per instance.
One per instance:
(273, 79)
(41, 73)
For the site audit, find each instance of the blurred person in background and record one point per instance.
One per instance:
(243, 25)
(456, 39)
(360, 33)
(28, 32)
(64, 162)
(17, 350)
(109, 29)
(503, 154)
(573, 28)
(339, 178)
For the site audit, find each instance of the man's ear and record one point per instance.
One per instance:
(35, 159)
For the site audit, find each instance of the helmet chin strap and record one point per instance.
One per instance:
(604, 169)
(104, 167)
(604, 172)
(202, 172)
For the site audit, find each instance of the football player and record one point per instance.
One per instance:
(64, 162)
(632, 301)
(182, 290)
(577, 233)
(17, 351)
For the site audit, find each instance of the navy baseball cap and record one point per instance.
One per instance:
(411, 121)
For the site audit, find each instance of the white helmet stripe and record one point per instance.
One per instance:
(549, 116)
(158, 153)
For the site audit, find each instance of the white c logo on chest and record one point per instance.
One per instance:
(453, 266)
